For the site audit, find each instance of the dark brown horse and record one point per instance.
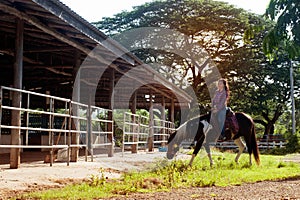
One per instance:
(196, 130)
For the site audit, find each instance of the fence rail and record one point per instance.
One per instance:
(55, 122)
(63, 123)
(162, 131)
(136, 131)
(231, 145)
(261, 145)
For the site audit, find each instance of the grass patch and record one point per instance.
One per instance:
(165, 175)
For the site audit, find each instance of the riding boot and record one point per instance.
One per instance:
(223, 135)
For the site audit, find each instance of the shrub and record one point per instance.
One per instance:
(293, 143)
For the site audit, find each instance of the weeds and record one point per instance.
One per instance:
(281, 164)
(97, 180)
(166, 175)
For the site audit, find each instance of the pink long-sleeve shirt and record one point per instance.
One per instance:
(220, 100)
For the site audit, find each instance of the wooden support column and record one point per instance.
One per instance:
(172, 111)
(16, 101)
(134, 147)
(163, 118)
(110, 114)
(89, 129)
(75, 110)
(151, 124)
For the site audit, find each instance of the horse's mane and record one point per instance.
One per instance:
(200, 117)
(180, 132)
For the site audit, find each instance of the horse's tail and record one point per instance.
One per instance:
(254, 146)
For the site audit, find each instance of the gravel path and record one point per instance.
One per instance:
(35, 175)
(288, 189)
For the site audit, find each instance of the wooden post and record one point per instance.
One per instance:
(163, 118)
(1, 99)
(90, 132)
(134, 147)
(26, 119)
(75, 123)
(47, 106)
(69, 133)
(51, 125)
(151, 123)
(110, 114)
(16, 101)
(172, 111)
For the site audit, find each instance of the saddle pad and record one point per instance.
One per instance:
(232, 123)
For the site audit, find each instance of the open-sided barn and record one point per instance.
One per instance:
(49, 52)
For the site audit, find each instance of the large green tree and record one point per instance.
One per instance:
(218, 28)
(286, 32)
(215, 26)
(264, 91)
(284, 37)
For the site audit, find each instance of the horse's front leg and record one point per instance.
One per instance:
(241, 146)
(209, 156)
(197, 149)
(192, 159)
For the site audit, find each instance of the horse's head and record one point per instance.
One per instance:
(173, 145)
(186, 131)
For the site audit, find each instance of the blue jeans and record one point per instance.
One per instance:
(221, 115)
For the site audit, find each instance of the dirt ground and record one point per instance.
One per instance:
(285, 190)
(34, 175)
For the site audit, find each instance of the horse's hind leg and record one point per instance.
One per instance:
(210, 159)
(241, 146)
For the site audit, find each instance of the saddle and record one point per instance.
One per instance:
(231, 122)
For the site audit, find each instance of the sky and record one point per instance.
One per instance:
(94, 10)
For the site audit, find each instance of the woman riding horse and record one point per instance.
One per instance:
(194, 130)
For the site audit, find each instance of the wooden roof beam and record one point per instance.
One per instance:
(109, 44)
(49, 49)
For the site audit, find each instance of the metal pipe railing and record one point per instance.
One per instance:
(52, 116)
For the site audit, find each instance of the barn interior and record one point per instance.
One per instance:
(47, 48)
